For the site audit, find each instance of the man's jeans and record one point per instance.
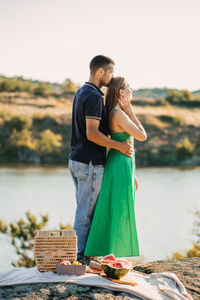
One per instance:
(87, 179)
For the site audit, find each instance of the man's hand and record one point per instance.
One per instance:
(97, 137)
(126, 148)
(136, 183)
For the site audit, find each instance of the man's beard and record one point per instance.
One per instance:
(106, 84)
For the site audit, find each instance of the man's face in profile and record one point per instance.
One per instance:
(108, 75)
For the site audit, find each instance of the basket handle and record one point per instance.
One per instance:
(48, 233)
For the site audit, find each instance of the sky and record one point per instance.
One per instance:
(154, 43)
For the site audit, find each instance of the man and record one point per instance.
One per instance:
(88, 145)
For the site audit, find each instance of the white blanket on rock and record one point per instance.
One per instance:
(156, 286)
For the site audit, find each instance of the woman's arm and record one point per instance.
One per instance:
(128, 109)
(125, 123)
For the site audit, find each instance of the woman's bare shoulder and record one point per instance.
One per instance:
(116, 119)
(117, 113)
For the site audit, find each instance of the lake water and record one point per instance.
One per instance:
(164, 204)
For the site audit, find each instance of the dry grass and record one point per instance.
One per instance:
(23, 103)
(20, 104)
(190, 116)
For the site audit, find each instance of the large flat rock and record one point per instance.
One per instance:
(188, 271)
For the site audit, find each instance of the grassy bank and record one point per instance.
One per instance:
(35, 129)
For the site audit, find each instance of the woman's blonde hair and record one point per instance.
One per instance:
(112, 93)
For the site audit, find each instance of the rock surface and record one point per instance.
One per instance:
(187, 270)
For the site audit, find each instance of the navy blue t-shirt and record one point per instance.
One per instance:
(88, 103)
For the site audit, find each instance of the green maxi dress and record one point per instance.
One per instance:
(113, 228)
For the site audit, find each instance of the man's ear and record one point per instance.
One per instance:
(101, 71)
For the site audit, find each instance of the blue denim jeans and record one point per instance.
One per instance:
(87, 179)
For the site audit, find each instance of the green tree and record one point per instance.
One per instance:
(41, 88)
(184, 148)
(28, 86)
(23, 138)
(9, 85)
(22, 233)
(49, 142)
(69, 86)
(20, 122)
(179, 97)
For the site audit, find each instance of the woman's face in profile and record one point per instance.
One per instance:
(127, 92)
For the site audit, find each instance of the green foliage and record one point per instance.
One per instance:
(177, 97)
(27, 86)
(65, 226)
(69, 86)
(9, 85)
(183, 97)
(22, 234)
(155, 93)
(41, 139)
(20, 84)
(5, 114)
(49, 142)
(195, 250)
(184, 149)
(179, 121)
(41, 88)
(21, 138)
(20, 122)
(38, 116)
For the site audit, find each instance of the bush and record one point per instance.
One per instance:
(20, 122)
(69, 86)
(41, 88)
(19, 139)
(177, 97)
(5, 114)
(49, 142)
(183, 97)
(38, 116)
(22, 235)
(184, 149)
(9, 85)
(179, 121)
(28, 86)
(195, 251)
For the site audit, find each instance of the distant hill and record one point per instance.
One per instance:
(156, 93)
(196, 92)
(19, 83)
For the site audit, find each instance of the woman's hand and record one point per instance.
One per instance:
(125, 105)
(136, 183)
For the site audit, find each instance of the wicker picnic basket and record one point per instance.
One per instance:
(52, 246)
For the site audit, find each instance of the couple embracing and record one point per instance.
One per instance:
(105, 183)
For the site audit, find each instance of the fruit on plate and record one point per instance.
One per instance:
(115, 267)
(95, 265)
(109, 257)
(65, 262)
(77, 263)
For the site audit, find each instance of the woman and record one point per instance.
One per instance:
(113, 227)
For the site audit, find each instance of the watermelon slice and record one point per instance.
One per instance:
(107, 259)
(124, 262)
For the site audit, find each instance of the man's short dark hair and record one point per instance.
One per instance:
(100, 61)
